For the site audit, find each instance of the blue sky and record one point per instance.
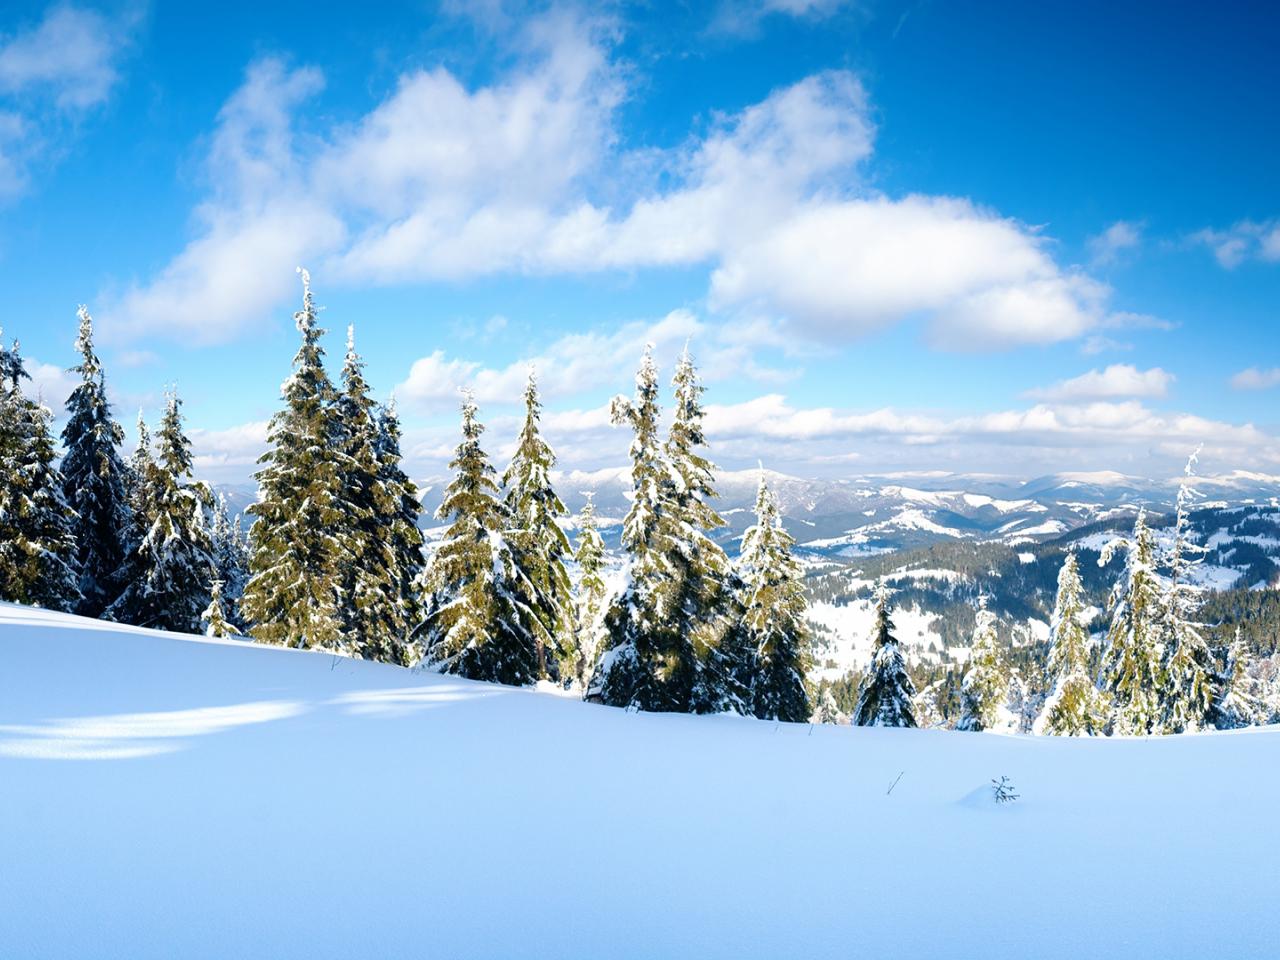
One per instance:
(898, 236)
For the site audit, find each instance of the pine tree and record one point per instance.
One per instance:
(169, 573)
(1074, 706)
(1188, 664)
(887, 695)
(373, 616)
(533, 510)
(94, 479)
(293, 595)
(1131, 668)
(230, 561)
(705, 591)
(136, 482)
(826, 710)
(775, 615)
(37, 549)
(400, 524)
(986, 683)
(478, 623)
(646, 664)
(214, 617)
(591, 598)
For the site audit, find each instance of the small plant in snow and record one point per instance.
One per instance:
(1003, 790)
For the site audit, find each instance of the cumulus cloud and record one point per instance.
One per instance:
(1119, 238)
(52, 73)
(1246, 240)
(1255, 378)
(441, 181)
(228, 455)
(744, 16)
(1117, 380)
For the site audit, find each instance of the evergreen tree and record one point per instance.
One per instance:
(1188, 664)
(775, 615)
(1074, 706)
(478, 623)
(646, 664)
(706, 606)
(37, 549)
(169, 573)
(986, 684)
(826, 710)
(533, 510)
(373, 616)
(293, 595)
(887, 695)
(1131, 668)
(214, 617)
(400, 523)
(590, 605)
(94, 479)
(230, 562)
(136, 482)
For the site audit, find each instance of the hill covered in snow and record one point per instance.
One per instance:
(167, 796)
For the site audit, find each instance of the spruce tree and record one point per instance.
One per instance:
(986, 682)
(646, 664)
(826, 710)
(373, 617)
(775, 615)
(478, 623)
(94, 480)
(214, 616)
(400, 524)
(169, 573)
(591, 598)
(1074, 707)
(1131, 667)
(230, 561)
(1187, 662)
(293, 595)
(37, 549)
(887, 695)
(705, 593)
(533, 512)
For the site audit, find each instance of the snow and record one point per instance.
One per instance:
(1026, 558)
(179, 797)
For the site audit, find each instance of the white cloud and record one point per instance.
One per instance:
(1246, 240)
(1117, 380)
(527, 175)
(52, 72)
(1120, 237)
(1255, 378)
(743, 17)
(228, 455)
(49, 384)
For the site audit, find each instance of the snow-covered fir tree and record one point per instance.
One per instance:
(94, 478)
(214, 616)
(230, 561)
(1131, 667)
(478, 622)
(170, 570)
(887, 695)
(826, 710)
(1244, 697)
(37, 548)
(986, 683)
(775, 615)
(373, 616)
(137, 481)
(533, 513)
(591, 595)
(1187, 663)
(293, 595)
(400, 522)
(646, 664)
(1074, 707)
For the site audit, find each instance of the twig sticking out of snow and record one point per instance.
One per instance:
(894, 784)
(1003, 790)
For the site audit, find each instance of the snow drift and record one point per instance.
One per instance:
(167, 796)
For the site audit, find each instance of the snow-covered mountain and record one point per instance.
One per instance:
(167, 796)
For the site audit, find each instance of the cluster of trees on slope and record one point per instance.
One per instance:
(1156, 672)
(335, 557)
(141, 542)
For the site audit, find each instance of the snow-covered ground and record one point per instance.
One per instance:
(168, 797)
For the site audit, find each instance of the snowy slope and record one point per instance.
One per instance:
(168, 797)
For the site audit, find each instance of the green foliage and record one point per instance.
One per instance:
(1132, 672)
(293, 595)
(533, 510)
(479, 622)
